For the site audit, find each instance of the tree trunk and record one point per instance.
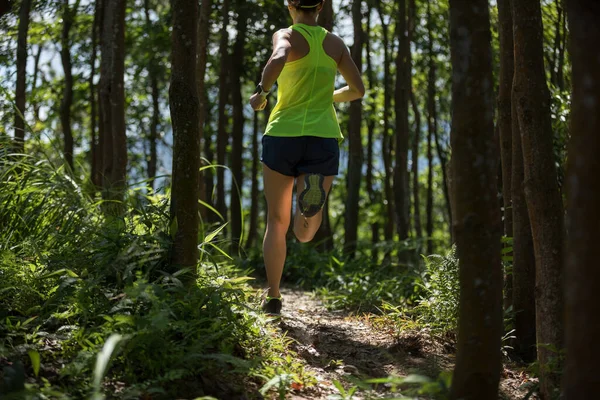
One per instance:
(557, 43)
(582, 273)
(254, 194)
(36, 71)
(118, 178)
(541, 186)
(222, 137)
(183, 102)
(412, 18)
(324, 236)
(355, 156)
(67, 97)
(507, 69)
(388, 227)
(445, 166)
(523, 276)
(20, 96)
(560, 75)
(152, 74)
(431, 128)
(370, 139)
(403, 75)
(477, 224)
(203, 37)
(95, 158)
(237, 142)
(106, 73)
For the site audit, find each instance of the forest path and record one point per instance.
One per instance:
(337, 346)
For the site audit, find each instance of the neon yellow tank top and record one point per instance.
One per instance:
(305, 92)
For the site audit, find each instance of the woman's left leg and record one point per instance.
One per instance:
(306, 228)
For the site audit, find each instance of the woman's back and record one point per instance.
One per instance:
(306, 85)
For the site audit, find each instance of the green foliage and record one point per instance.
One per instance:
(99, 297)
(438, 309)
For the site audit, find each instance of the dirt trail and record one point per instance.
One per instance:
(340, 347)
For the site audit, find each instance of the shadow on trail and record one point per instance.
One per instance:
(345, 347)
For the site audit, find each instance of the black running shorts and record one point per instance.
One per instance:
(294, 156)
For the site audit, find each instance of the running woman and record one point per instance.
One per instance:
(302, 138)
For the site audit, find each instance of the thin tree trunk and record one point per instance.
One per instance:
(431, 129)
(20, 96)
(388, 227)
(67, 97)
(412, 19)
(507, 69)
(477, 224)
(152, 74)
(117, 102)
(355, 156)
(445, 166)
(237, 142)
(183, 101)
(106, 72)
(203, 37)
(560, 75)
(94, 162)
(582, 273)
(222, 137)
(541, 187)
(403, 75)
(370, 139)
(415, 166)
(523, 276)
(36, 71)
(557, 43)
(254, 195)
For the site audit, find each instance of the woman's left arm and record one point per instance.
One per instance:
(281, 51)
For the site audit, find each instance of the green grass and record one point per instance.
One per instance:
(70, 279)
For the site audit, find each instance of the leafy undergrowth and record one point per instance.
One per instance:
(90, 307)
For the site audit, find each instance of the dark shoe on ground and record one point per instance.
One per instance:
(312, 199)
(272, 306)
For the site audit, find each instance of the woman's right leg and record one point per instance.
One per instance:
(278, 191)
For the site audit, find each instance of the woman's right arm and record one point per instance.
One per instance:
(356, 88)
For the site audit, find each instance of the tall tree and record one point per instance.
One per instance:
(386, 144)
(431, 127)
(544, 202)
(155, 120)
(183, 102)
(403, 74)
(68, 17)
(20, 97)
(520, 285)
(355, 156)
(254, 195)
(203, 36)
(371, 136)
(477, 218)
(582, 273)
(237, 142)
(113, 106)
(523, 274)
(222, 137)
(507, 62)
(94, 146)
(412, 20)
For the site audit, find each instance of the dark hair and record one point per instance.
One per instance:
(306, 5)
